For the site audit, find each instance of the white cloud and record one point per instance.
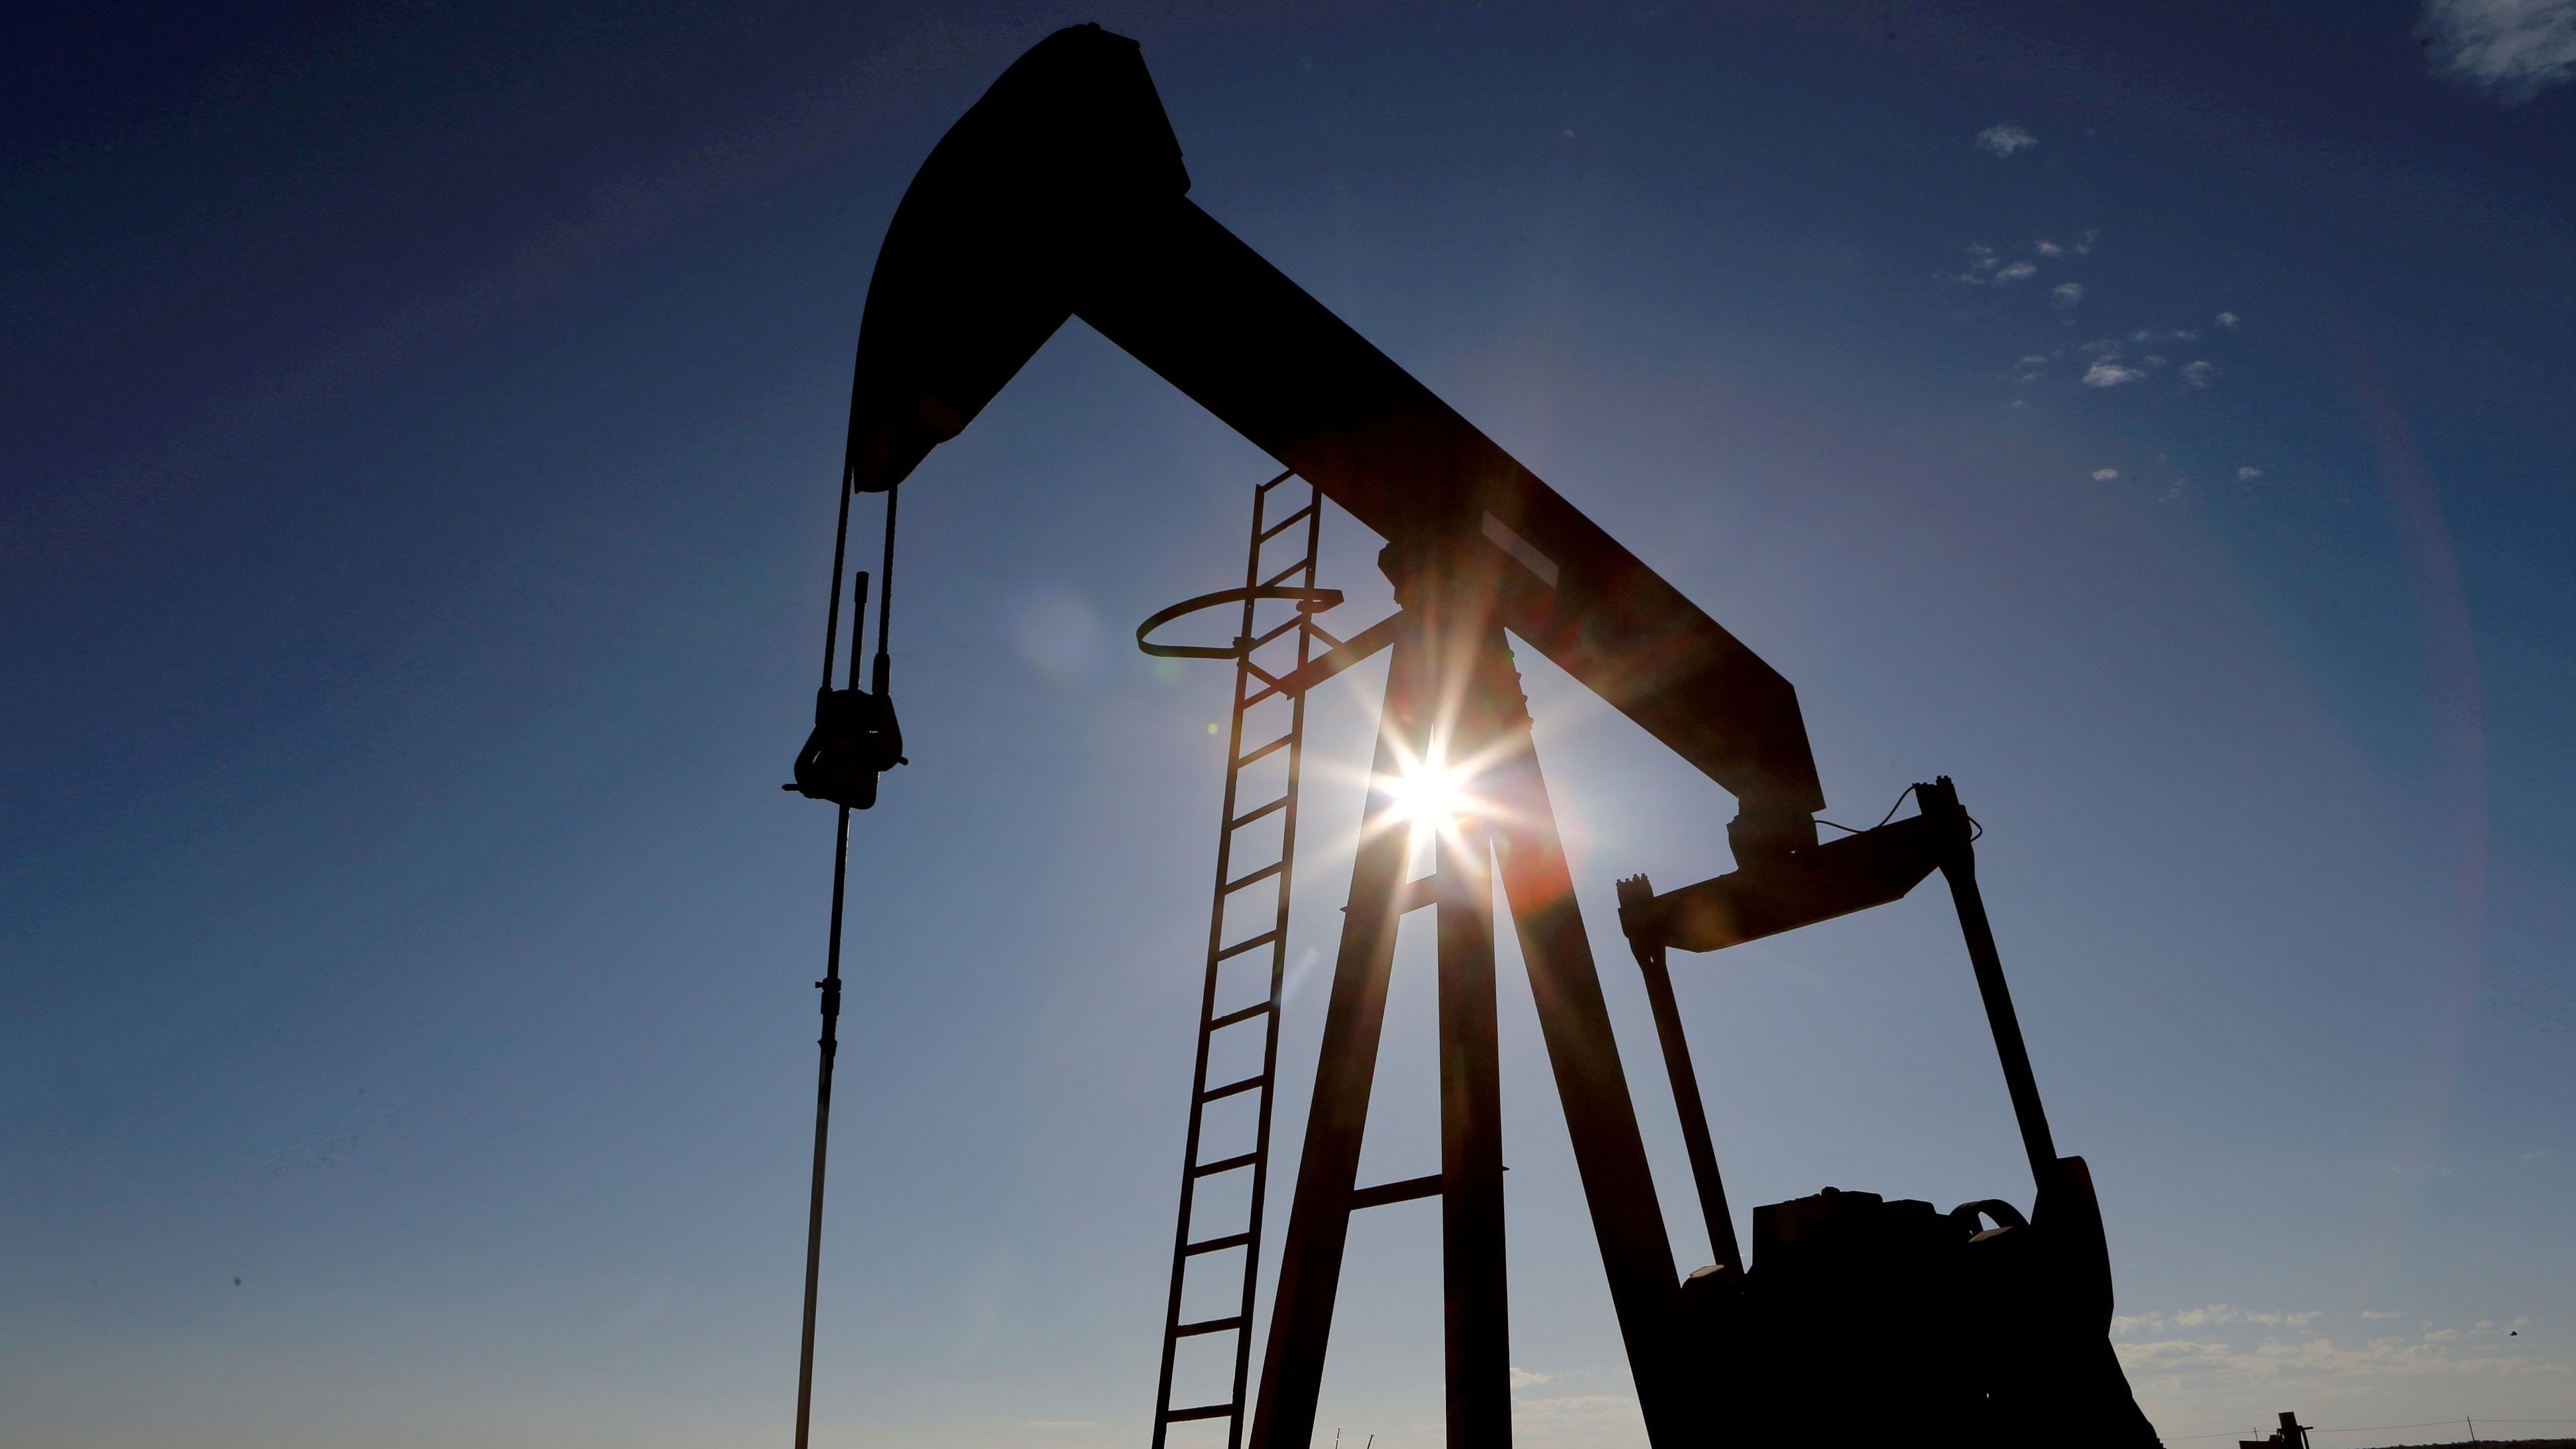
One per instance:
(2537, 1154)
(2191, 1362)
(2105, 475)
(2016, 272)
(2198, 374)
(2066, 294)
(2107, 372)
(1569, 1416)
(2226, 319)
(1579, 1418)
(2513, 48)
(2004, 138)
(2248, 475)
(2047, 248)
(1982, 261)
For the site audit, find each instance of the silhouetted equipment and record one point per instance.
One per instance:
(855, 736)
(840, 771)
(855, 740)
(2291, 1435)
(1061, 194)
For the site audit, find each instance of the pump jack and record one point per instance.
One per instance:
(1061, 194)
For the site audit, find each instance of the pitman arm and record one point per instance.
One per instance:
(1061, 194)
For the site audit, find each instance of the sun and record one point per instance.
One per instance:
(1429, 794)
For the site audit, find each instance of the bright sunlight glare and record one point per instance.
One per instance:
(1429, 793)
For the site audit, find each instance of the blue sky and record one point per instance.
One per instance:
(420, 426)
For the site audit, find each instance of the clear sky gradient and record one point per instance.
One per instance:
(419, 435)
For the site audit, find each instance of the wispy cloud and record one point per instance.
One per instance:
(2194, 1357)
(1569, 1417)
(2226, 319)
(2107, 372)
(1982, 262)
(2514, 49)
(2198, 374)
(2066, 294)
(2016, 271)
(2105, 475)
(2004, 138)
(2248, 475)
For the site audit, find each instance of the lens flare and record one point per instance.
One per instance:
(1430, 796)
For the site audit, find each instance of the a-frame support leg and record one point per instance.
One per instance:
(1475, 1311)
(1310, 1259)
(1461, 887)
(1483, 723)
(1600, 1115)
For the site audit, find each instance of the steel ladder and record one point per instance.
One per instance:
(1239, 997)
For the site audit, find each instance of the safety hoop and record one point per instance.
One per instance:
(1308, 601)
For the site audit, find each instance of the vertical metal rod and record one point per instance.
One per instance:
(1319, 1213)
(1959, 867)
(1476, 1300)
(885, 606)
(1692, 1107)
(829, 1043)
(1583, 1051)
(832, 612)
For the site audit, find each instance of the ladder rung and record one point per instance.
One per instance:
(1265, 749)
(1231, 1017)
(1218, 1245)
(1273, 632)
(1225, 1164)
(1283, 573)
(1240, 821)
(1255, 878)
(1210, 1325)
(1229, 1089)
(1275, 482)
(1283, 525)
(1204, 1411)
(1253, 943)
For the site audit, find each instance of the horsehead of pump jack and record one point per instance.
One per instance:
(1062, 194)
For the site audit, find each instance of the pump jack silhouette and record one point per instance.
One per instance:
(1061, 194)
